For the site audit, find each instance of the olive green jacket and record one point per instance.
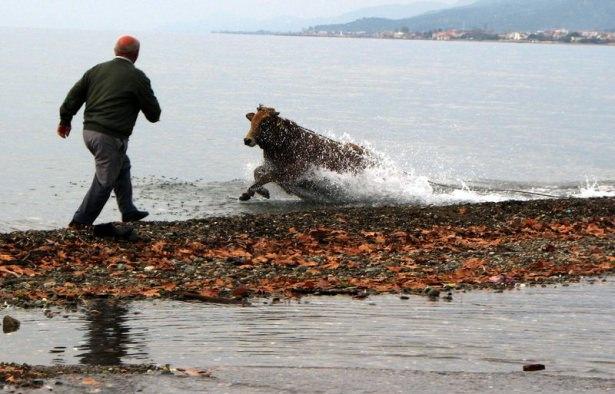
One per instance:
(113, 92)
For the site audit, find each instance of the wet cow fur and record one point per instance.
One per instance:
(291, 151)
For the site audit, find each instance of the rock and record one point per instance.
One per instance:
(149, 268)
(236, 261)
(433, 293)
(404, 297)
(448, 296)
(38, 383)
(108, 230)
(10, 324)
(49, 284)
(534, 367)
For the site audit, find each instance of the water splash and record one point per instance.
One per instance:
(593, 189)
(387, 183)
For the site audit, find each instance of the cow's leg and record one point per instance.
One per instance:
(263, 173)
(262, 176)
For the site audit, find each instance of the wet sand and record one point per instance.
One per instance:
(354, 251)
(266, 380)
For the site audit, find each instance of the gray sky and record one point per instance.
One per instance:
(152, 14)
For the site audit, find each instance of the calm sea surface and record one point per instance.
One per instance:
(530, 116)
(336, 344)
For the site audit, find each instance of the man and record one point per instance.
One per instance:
(114, 93)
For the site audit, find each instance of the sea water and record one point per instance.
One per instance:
(564, 328)
(482, 118)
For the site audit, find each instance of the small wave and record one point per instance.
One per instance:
(594, 189)
(385, 184)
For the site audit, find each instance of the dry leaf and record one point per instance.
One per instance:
(90, 381)
(474, 263)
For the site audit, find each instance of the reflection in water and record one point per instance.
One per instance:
(481, 332)
(108, 335)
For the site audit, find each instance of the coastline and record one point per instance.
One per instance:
(427, 250)
(371, 37)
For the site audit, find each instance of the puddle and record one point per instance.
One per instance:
(569, 329)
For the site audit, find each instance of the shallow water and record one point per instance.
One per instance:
(536, 115)
(569, 329)
(174, 199)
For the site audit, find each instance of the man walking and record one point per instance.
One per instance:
(114, 93)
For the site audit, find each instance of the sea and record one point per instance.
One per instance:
(490, 121)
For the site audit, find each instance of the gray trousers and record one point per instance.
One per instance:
(112, 174)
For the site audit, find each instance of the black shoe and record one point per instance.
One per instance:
(79, 226)
(134, 216)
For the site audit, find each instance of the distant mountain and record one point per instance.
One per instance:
(498, 16)
(295, 24)
(394, 11)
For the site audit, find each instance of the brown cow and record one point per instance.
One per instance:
(292, 151)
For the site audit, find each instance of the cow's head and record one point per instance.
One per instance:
(259, 121)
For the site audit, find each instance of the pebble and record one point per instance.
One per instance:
(49, 284)
(149, 268)
(533, 367)
(10, 324)
(433, 293)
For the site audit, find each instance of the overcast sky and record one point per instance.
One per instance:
(152, 14)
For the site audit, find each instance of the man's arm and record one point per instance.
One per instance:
(73, 102)
(147, 100)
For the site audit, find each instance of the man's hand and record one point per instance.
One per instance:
(64, 131)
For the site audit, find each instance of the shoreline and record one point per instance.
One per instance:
(147, 378)
(505, 41)
(35, 376)
(353, 251)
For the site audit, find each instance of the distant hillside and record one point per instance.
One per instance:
(498, 16)
(394, 11)
(213, 22)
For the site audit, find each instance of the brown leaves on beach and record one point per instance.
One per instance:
(316, 258)
(474, 263)
(6, 257)
(16, 271)
(595, 230)
(19, 375)
(89, 381)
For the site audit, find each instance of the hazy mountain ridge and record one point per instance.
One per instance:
(499, 16)
(290, 23)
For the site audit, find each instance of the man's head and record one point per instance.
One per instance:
(128, 47)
